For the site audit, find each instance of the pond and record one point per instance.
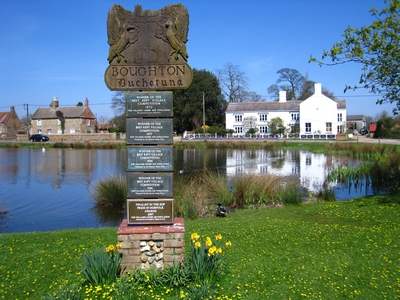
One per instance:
(45, 190)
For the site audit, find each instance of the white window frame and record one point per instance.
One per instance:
(238, 118)
(263, 117)
(328, 126)
(340, 117)
(308, 127)
(48, 131)
(263, 129)
(238, 129)
(39, 122)
(295, 116)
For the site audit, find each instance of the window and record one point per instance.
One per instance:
(58, 122)
(263, 129)
(238, 118)
(72, 130)
(88, 122)
(238, 129)
(59, 131)
(308, 127)
(263, 117)
(295, 116)
(39, 131)
(339, 117)
(338, 129)
(39, 122)
(48, 131)
(328, 127)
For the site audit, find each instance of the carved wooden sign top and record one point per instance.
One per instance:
(148, 49)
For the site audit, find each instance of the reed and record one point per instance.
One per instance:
(110, 192)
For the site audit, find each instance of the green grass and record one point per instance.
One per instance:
(345, 250)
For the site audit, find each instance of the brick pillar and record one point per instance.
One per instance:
(146, 246)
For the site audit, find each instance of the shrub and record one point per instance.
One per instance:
(101, 266)
(110, 192)
(289, 193)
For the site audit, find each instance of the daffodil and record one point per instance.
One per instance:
(228, 244)
(197, 244)
(194, 237)
(218, 237)
(208, 242)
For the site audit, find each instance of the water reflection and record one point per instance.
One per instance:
(42, 191)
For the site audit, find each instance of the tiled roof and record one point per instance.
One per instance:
(4, 116)
(70, 112)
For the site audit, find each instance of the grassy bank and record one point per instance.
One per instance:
(347, 250)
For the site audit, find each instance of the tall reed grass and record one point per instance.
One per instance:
(110, 192)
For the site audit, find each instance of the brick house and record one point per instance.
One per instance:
(10, 124)
(64, 119)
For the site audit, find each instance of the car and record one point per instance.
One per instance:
(364, 130)
(39, 138)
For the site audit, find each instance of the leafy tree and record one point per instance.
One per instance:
(79, 103)
(250, 124)
(118, 123)
(188, 104)
(376, 48)
(233, 82)
(276, 126)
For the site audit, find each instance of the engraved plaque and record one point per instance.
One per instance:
(150, 185)
(149, 131)
(150, 158)
(151, 104)
(144, 211)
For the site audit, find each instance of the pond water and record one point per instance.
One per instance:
(50, 190)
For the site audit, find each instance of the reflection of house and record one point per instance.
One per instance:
(66, 119)
(356, 122)
(10, 124)
(318, 114)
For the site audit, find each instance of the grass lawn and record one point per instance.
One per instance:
(345, 250)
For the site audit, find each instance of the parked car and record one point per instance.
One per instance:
(39, 138)
(364, 130)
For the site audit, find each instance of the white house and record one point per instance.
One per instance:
(316, 117)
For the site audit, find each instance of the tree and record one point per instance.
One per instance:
(118, 102)
(188, 104)
(79, 103)
(233, 82)
(250, 124)
(293, 83)
(376, 48)
(26, 120)
(276, 126)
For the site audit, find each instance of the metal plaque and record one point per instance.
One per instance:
(150, 158)
(144, 211)
(149, 131)
(150, 185)
(151, 104)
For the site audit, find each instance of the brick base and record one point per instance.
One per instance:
(146, 246)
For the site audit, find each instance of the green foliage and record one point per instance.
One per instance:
(188, 104)
(277, 126)
(376, 48)
(110, 191)
(101, 266)
(207, 259)
(289, 193)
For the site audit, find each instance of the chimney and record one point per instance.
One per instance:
(87, 102)
(282, 96)
(12, 108)
(54, 103)
(317, 89)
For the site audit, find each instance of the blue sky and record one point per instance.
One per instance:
(59, 48)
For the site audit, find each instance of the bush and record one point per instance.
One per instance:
(101, 266)
(110, 192)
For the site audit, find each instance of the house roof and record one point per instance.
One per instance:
(4, 116)
(355, 118)
(69, 112)
(291, 105)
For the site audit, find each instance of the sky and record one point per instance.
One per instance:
(54, 48)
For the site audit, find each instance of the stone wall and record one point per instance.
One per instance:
(150, 246)
(84, 137)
